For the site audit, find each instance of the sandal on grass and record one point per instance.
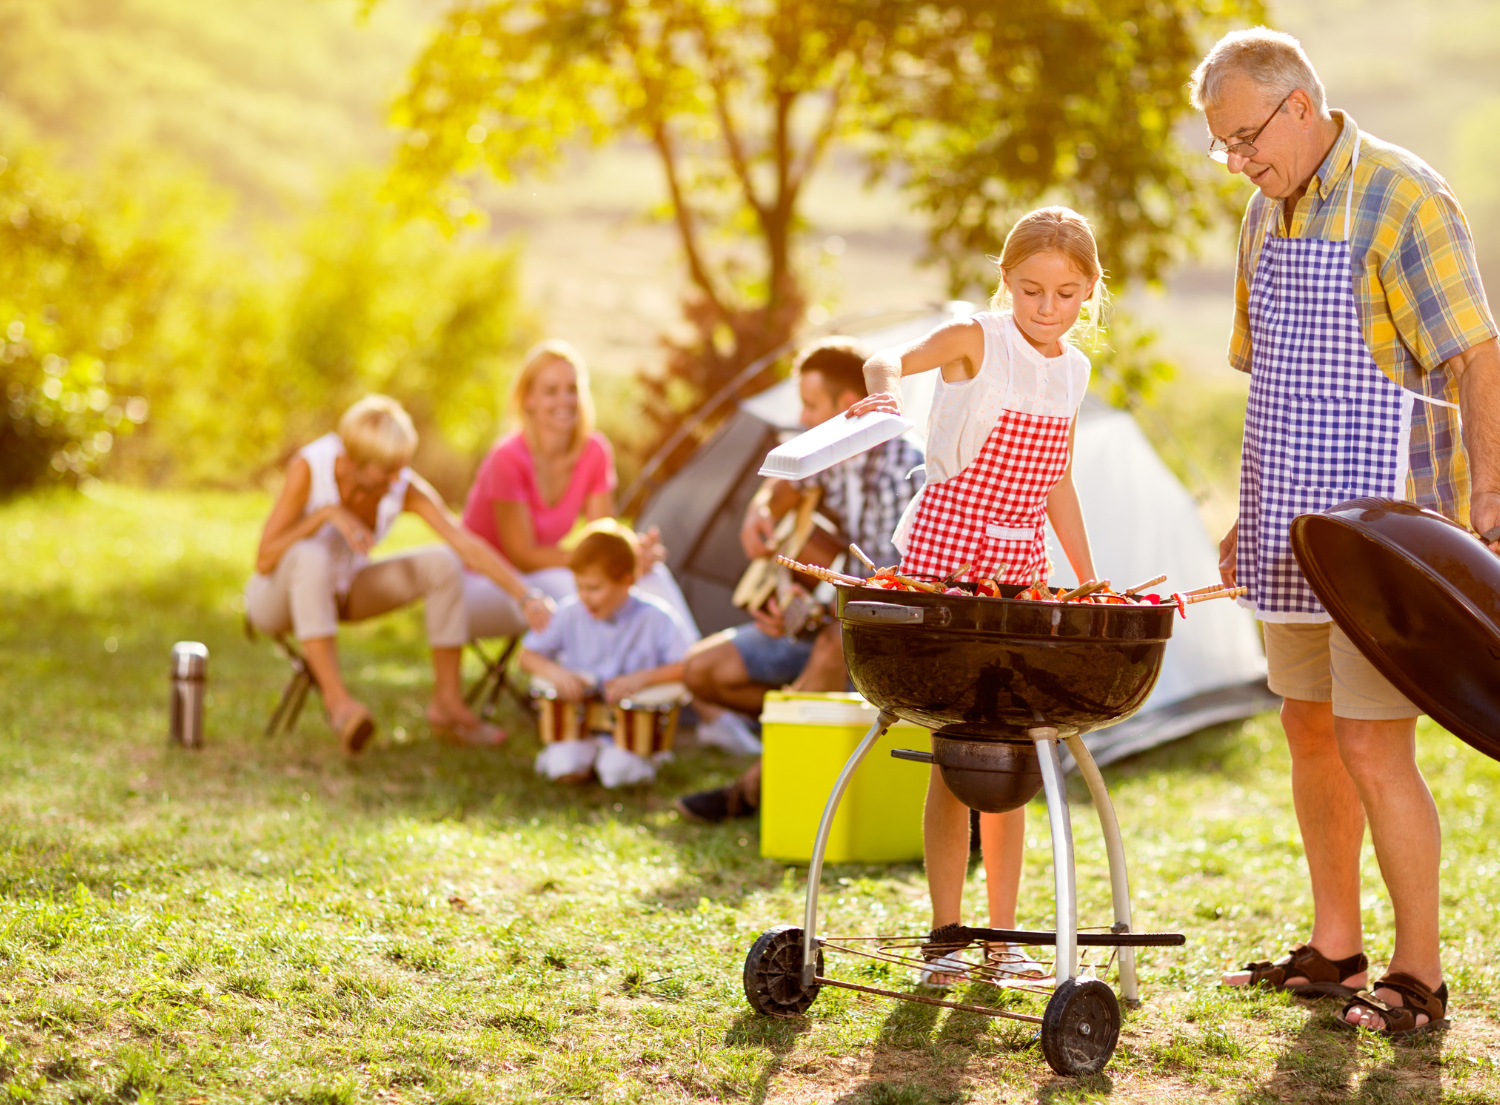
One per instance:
(941, 954)
(1012, 964)
(354, 727)
(1325, 977)
(481, 734)
(1400, 1021)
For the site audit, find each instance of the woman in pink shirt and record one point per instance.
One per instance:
(537, 482)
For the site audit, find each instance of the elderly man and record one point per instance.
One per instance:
(1360, 316)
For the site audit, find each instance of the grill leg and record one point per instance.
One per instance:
(1066, 966)
(1119, 880)
(820, 845)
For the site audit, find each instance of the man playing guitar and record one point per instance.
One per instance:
(863, 497)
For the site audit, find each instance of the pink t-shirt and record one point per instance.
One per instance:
(508, 475)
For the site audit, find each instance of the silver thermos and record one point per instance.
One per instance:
(189, 670)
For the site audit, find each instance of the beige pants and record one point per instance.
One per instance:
(299, 596)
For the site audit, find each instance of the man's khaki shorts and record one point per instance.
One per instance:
(1316, 662)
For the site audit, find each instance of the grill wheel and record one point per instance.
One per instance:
(1080, 1027)
(773, 974)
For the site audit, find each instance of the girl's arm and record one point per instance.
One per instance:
(623, 686)
(287, 525)
(476, 552)
(1066, 516)
(956, 347)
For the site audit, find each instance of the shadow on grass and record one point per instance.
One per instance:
(1326, 1063)
(776, 1036)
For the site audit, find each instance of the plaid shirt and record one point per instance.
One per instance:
(881, 474)
(1418, 291)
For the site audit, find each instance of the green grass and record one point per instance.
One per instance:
(264, 921)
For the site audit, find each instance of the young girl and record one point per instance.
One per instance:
(999, 465)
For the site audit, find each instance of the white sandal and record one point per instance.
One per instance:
(947, 965)
(1012, 964)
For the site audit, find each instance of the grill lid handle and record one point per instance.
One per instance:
(888, 613)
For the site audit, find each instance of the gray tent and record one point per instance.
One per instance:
(1142, 521)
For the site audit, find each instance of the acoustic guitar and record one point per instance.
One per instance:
(803, 534)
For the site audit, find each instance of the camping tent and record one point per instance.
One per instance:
(1141, 520)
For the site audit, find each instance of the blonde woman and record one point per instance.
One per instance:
(343, 493)
(538, 481)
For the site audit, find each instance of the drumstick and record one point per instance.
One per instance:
(1226, 593)
(1152, 582)
(820, 573)
(863, 559)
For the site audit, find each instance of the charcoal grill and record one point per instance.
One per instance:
(1015, 678)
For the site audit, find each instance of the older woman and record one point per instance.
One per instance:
(343, 493)
(537, 482)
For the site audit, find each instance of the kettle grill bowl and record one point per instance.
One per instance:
(994, 669)
(988, 775)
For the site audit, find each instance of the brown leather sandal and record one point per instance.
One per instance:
(354, 728)
(1325, 977)
(1400, 1021)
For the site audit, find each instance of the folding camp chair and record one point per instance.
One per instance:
(484, 696)
(294, 694)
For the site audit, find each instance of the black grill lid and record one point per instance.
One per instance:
(1418, 595)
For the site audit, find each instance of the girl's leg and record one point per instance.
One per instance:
(1003, 838)
(945, 850)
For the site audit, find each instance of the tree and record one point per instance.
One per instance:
(978, 109)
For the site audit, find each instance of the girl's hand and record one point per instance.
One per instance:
(354, 531)
(885, 402)
(538, 609)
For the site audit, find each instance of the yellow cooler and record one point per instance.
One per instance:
(808, 738)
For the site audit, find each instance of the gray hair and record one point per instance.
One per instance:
(1273, 60)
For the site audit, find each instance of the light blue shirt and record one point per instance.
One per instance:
(644, 633)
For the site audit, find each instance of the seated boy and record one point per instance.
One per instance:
(610, 641)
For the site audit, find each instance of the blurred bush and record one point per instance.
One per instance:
(150, 333)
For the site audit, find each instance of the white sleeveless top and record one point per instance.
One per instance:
(320, 456)
(1013, 376)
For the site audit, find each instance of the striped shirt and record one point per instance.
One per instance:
(1417, 290)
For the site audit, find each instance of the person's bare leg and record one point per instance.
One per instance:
(1002, 836)
(715, 673)
(448, 706)
(1381, 757)
(945, 854)
(825, 671)
(1332, 823)
(323, 658)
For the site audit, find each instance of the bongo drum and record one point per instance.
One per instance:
(646, 722)
(560, 720)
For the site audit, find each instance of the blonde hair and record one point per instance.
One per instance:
(1273, 60)
(1055, 230)
(538, 357)
(377, 430)
(607, 545)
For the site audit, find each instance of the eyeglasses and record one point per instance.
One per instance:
(1220, 150)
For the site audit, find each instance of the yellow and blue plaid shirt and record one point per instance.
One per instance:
(1417, 290)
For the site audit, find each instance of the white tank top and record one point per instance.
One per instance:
(320, 456)
(1013, 376)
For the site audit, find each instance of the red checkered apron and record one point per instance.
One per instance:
(992, 514)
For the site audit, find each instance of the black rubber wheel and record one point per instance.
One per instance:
(1080, 1027)
(773, 974)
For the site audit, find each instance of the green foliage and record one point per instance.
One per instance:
(1128, 367)
(976, 108)
(126, 296)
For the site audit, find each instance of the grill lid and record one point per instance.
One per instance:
(1420, 597)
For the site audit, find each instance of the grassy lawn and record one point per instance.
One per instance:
(266, 921)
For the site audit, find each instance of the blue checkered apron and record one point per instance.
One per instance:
(1323, 423)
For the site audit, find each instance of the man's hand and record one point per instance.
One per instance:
(1478, 372)
(768, 618)
(1229, 555)
(756, 533)
(887, 402)
(1484, 515)
(355, 532)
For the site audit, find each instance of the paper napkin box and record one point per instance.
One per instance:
(836, 440)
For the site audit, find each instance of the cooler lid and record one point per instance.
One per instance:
(1419, 595)
(805, 708)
